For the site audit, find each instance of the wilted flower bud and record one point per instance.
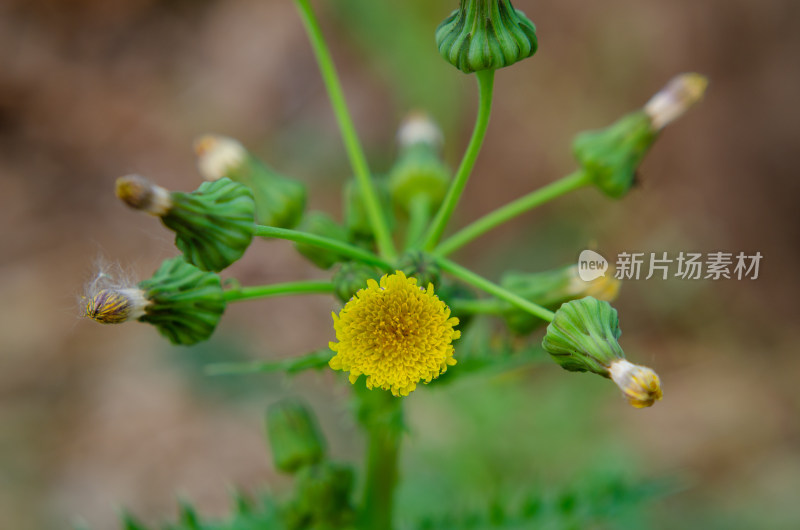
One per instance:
(213, 225)
(550, 289)
(181, 301)
(611, 156)
(320, 224)
(419, 173)
(141, 194)
(280, 201)
(351, 277)
(115, 306)
(485, 35)
(640, 384)
(294, 436)
(583, 338)
(678, 96)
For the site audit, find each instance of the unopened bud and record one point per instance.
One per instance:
(419, 173)
(141, 194)
(294, 436)
(486, 35)
(184, 302)
(322, 497)
(351, 277)
(214, 224)
(421, 266)
(583, 337)
(639, 384)
(115, 306)
(678, 96)
(611, 156)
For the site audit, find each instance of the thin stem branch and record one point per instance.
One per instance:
(313, 360)
(485, 87)
(352, 144)
(517, 207)
(277, 289)
(482, 283)
(490, 306)
(419, 215)
(345, 249)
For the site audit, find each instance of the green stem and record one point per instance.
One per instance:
(485, 87)
(345, 249)
(277, 289)
(478, 307)
(517, 207)
(313, 360)
(419, 215)
(482, 283)
(351, 142)
(382, 415)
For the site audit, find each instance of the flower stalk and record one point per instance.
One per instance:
(381, 415)
(277, 289)
(536, 198)
(341, 247)
(467, 276)
(352, 144)
(485, 88)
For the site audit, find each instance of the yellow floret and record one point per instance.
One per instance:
(396, 333)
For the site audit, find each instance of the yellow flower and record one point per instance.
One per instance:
(395, 333)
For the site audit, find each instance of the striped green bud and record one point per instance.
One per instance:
(486, 35)
(184, 302)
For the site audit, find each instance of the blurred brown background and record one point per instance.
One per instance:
(93, 418)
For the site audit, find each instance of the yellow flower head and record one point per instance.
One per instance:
(395, 333)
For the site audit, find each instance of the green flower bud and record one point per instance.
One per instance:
(294, 436)
(551, 289)
(181, 301)
(322, 498)
(280, 201)
(611, 156)
(583, 338)
(486, 35)
(419, 173)
(185, 303)
(351, 277)
(355, 209)
(213, 225)
(320, 224)
(419, 265)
